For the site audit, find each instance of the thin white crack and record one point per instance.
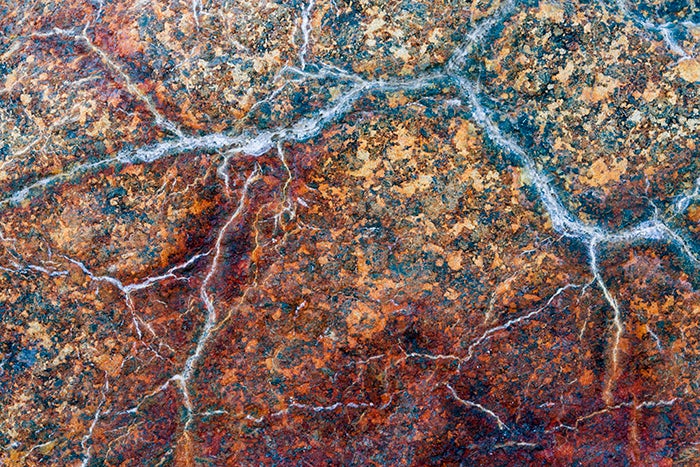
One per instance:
(629, 404)
(287, 205)
(324, 408)
(617, 318)
(136, 408)
(684, 201)
(430, 357)
(86, 442)
(517, 444)
(196, 11)
(311, 408)
(37, 446)
(491, 331)
(22, 194)
(145, 283)
(654, 336)
(501, 426)
(477, 35)
(183, 378)
(116, 69)
(29, 268)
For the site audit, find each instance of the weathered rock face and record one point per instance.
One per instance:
(349, 233)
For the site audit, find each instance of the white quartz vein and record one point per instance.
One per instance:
(305, 32)
(246, 144)
(255, 143)
(684, 201)
(568, 225)
(664, 30)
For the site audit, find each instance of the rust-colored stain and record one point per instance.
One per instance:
(349, 233)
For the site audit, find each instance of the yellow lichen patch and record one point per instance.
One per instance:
(465, 138)
(689, 70)
(363, 321)
(404, 142)
(38, 331)
(369, 166)
(602, 89)
(109, 363)
(475, 177)
(552, 12)
(565, 73)
(459, 227)
(694, 213)
(421, 183)
(601, 173)
(651, 91)
(454, 261)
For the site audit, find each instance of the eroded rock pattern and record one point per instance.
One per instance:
(349, 233)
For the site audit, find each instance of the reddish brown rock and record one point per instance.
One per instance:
(349, 233)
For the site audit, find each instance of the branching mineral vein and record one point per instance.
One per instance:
(254, 143)
(664, 30)
(72, 34)
(491, 331)
(87, 439)
(592, 236)
(183, 378)
(128, 289)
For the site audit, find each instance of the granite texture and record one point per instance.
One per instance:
(349, 232)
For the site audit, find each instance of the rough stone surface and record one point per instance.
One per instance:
(349, 233)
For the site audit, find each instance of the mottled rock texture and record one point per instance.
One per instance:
(337, 232)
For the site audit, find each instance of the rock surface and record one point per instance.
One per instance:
(349, 233)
